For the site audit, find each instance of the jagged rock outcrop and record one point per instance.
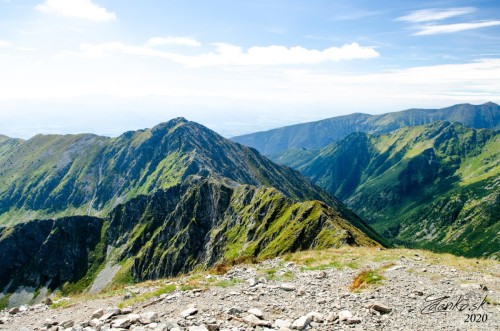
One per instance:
(193, 225)
(47, 252)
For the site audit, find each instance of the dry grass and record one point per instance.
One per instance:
(365, 278)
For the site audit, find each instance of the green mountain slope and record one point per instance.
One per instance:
(150, 204)
(319, 134)
(433, 186)
(192, 225)
(57, 176)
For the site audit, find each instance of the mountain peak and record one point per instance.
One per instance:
(490, 104)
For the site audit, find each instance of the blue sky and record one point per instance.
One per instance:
(107, 66)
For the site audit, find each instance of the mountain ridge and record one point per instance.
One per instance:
(85, 174)
(407, 183)
(318, 134)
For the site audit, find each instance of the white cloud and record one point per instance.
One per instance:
(450, 28)
(183, 41)
(427, 15)
(4, 43)
(231, 55)
(83, 9)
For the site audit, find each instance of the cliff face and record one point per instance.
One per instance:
(193, 225)
(47, 252)
(200, 223)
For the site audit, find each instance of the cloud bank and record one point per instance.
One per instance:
(82, 9)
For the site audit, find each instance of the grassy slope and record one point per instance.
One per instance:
(408, 182)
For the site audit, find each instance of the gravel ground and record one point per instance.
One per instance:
(412, 296)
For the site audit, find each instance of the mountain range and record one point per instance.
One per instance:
(81, 212)
(435, 186)
(315, 135)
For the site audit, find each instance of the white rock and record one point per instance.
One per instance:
(316, 317)
(95, 323)
(332, 317)
(189, 312)
(256, 312)
(121, 323)
(67, 324)
(288, 287)
(254, 320)
(282, 323)
(396, 267)
(198, 328)
(301, 323)
(252, 282)
(344, 315)
(161, 327)
(149, 317)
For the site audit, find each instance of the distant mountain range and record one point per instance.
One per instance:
(319, 134)
(152, 203)
(435, 186)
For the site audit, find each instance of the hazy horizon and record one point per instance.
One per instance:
(105, 66)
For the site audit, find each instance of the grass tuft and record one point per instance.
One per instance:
(365, 278)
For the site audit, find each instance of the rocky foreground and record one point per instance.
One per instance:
(411, 291)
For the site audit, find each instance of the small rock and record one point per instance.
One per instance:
(121, 323)
(48, 302)
(198, 328)
(49, 322)
(353, 320)
(110, 313)
(95, 323)
(161, 327)
(316, 317)
(381, 308)
(288, 287)
(301, 323)
(189, 312)
(282, 323)
(98, 313)
(3, 320)
(396, 267)
(149, 317)
(256, 312)
(321, 274)
(213, 327)
(234, 311)
(332, 317)
(14, 310)
(67, 324)
(252, 282)
(344, 315)
(255, 321)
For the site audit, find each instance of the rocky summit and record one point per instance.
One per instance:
(408, 290)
